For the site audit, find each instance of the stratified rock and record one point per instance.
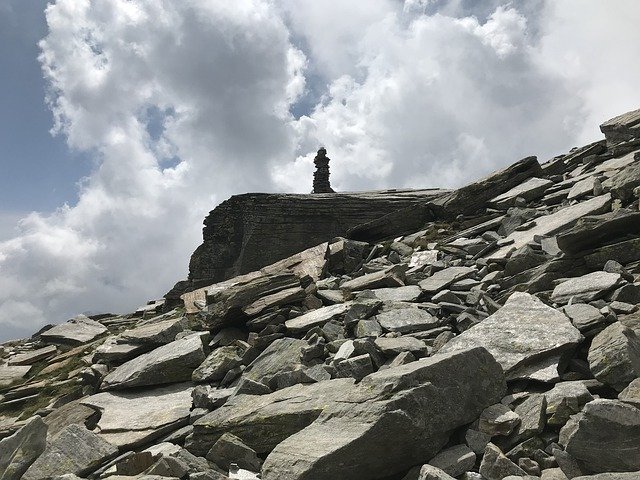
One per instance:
(133, 418)
(317, 317)
(530, 189)
(389, 277)
(171, 363)
(584, 187)
(282, 355)
(230, 449)
(609, 357)
(586, 288)
(444, 278)
(218, 363)
(394, 418)
(21, 449)
(585, 317)
(408, 293)
(153, 332)
(623, 183)
(496, 466)
(605, 437)
(30, 358)
(72, 412)
(76, 331)
(622, 128)
(391, 346)
(407, 319)
(263, 421)
(10, 375)
(454, 460)
(74, 450)
(525, 336)
(532, 413)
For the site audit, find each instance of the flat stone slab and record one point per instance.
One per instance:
(529, 190)
(390, 277)
(405, 320)
(153, 332)
(583, 316)
(525, 336)
(586, 288)
(21, 449)
(317, 317)
(76, 331)
(171, 363)
(74, 450)
(12, 374)
(444, 278)
(551, 224)
(408, 293)
(609, 359)
(29, 358)
(393, 420)
(133, 418)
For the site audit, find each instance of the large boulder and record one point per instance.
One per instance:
(171, 363)
(21, 449)
(76, 331)
(392, 420)
(609, 359)
(604, 437)
(525, 336)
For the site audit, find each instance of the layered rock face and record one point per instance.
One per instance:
(484, 334)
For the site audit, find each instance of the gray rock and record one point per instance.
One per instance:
(631, 394)
(625, 181)
(622, 307)
(74, 450)
(171, 363)
(585, 317)
(206, 396)
(368, 328)
(530, 189)
(317, 317)
(609, 423)
(609, 359)
(21, 449)
(408, 293)
(389, 277)
(444, 278)
(10, 375)
(406, 320)
(611, 476)
(525, 336)
(72, 412)
(629, 293)
(621, 128)
(454, 460)
(283, 297)
(281, 356)
(153, 332)
(584, 187)
(496, 466)
(566, 399)
(219, 362)
(394, 418)
(532, 413)
(498, 419)
(427, 472)
(356, 367)
(586, 288)
(553, 474)
(76, 331)
(390, 347)
(132, 418)
(29, 358)
(230, 449)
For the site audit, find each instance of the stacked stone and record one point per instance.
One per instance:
(321, 182)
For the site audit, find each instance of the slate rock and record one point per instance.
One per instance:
(566, 399)
(281, 356)
(427, 472)
(72, 412)
(609, 359)
(392, 346)
(78, 330)
(444, 278)
(532, 413)
(496, 466)
(368, 328)
(153, 332)
(12, 374)
(586, 288)
(584, 317)
(625, 181)
(609, 423)
(74, 450)
(406, 320)
(393, 418)
(389, 277)
(530, 189)
(631, 394)
(621, 128)
(230, 449)
(498, 419)
(454, 460)
(219, 362)
(21, 449)
(29, 358)
(317, 317)
(356, 367)
(610, 476)
(170, 363)
(525, 336)
(408, 293)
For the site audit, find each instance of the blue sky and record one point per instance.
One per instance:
(163, 109)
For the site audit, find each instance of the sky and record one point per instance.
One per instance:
(124, 122)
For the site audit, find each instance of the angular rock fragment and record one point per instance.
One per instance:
(374, 434)
(405, 320)
(622, 128)
(317, 317)
(609, 359)
(496, 466)
(525, 336)
(230, 449)
(74, 450)
(566, 399)
(133, 418)
(391, 347)
(427, 472)
(586, 288)
(153, 332)
(444, 278)
(10, 375)
(408, 293)
(390, 277)
(76, 331)
(498, 419)
(605, 423)
(585, 317)
(171, 363)
(454, 460)
(21, 449)
(219, 362)
(282, 355)
(30, 358)
(531, 189)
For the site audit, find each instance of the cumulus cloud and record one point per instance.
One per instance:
(181, 104)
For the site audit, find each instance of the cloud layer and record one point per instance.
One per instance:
(181, 104)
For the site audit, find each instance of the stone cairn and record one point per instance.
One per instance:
(321, 182)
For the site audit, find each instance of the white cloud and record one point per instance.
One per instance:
(183, 103)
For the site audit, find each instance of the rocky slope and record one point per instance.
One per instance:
(487, 333)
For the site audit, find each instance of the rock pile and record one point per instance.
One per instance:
(500, 340)
(321, 182)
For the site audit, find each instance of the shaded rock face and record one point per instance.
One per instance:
(488, 333)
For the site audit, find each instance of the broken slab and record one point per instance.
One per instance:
(531, 189)
(171, 363)
(609, 359)
(406, 319)
(553, 223)
(316, 318)
(153, 332)
(622, 128)
(443, 278)
(392, 420)
(29, 358)
(134, 418)
(10, 375)
(389, 277)
(78, 330)
(586, 288)
(21, 449)
(525, 336)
